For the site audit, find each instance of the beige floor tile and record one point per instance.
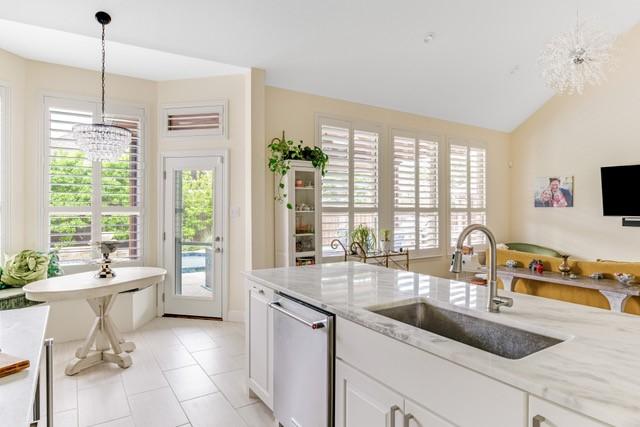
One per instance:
(173, 357)
(157, 408)
(120, 422)
(101, 403)
(160, 338)
(65, 396)
(217, 361)
(257, 415)
(98, 374)
(144, 376)
(197, 341)
(220, 328)
(189, 382)
(212, 411)
(65, 419)
(232, 344)
(234, 386)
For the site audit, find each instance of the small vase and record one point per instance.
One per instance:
(564, 267)
(386, 246)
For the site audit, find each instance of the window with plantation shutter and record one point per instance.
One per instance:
(416, 217)
(467, 190)
(350, 188)
(92, 201)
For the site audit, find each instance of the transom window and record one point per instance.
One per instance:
(88, 201)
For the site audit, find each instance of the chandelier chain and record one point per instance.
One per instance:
(103, 66)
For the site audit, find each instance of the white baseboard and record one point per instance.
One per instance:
(235, 316)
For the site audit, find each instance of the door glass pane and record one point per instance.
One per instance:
(194, 190)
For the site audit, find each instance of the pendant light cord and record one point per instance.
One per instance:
(103, 61)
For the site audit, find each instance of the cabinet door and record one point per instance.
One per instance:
(260, 341)
(418, 416)
(547, 414)
(361, 401)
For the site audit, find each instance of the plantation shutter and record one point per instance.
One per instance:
(467, 180)
(89, 202)
(416, 196)
(350, 188)
(335, 187)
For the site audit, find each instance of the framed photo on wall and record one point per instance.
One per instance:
(553, 192)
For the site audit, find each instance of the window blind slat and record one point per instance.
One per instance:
(335, 183)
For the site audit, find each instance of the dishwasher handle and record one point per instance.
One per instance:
(313, 325)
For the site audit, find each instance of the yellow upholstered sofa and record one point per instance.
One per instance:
(569, 293)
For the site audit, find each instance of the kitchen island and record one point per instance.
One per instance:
(590, 378)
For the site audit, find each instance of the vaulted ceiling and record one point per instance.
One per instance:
(480, 68)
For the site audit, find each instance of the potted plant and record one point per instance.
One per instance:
(385, 242)
(283, 151)
(365, 236)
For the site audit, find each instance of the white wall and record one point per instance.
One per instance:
(576, 135)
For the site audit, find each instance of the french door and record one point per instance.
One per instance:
(194, 235)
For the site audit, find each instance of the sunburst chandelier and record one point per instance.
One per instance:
(577, 58)
(102, 141)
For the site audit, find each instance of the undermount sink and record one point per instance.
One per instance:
(496, 338)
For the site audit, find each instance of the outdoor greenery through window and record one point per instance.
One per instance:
(91, 201)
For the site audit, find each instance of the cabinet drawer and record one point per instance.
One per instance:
(546, 414)
(435, 383)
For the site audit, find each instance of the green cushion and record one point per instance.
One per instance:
(11, 298)
(534, 249)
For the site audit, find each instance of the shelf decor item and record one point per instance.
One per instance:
(283, 151)
(385, 242)
(626, 279)
(564, 267)
(365, 236)
(102, 141)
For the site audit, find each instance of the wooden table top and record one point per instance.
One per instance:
(580, 282)
(86, 285)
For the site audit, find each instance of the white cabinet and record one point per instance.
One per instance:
(297, 222)
(418, 416)
(361, 401)
(260, 341)
(547, 414)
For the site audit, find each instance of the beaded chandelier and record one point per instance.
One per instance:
(102, 141)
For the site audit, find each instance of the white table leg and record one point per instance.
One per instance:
(108, 344)
(617, 301)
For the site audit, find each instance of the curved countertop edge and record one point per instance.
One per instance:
(565, 360)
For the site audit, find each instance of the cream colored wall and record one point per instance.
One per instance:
(233, 89)
(295, 112)
(13, 76)
(576, 135)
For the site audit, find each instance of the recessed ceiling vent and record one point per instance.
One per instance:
(203, 119)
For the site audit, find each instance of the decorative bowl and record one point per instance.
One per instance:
(626, 279)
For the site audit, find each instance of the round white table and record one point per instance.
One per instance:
(100, 294)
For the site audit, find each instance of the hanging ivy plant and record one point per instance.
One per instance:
(283, 151)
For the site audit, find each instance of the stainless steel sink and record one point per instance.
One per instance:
(496, 338)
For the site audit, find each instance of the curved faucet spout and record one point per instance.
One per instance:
(494, 302)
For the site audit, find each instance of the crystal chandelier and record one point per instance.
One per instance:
(102, 141)
(577, 58)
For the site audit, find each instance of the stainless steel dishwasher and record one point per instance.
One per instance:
(303, 358)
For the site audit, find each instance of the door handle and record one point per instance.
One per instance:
(538, 420)
(407, 419)
(313, 325)
(392, 415)
(217, 250)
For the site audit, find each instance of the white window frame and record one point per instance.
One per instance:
(443, 215)
(96, 210)
(351, 211)
(5, 165)
(470, 143)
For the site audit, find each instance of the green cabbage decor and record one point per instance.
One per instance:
(25, 267)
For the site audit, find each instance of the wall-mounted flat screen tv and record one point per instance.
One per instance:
(620, 195)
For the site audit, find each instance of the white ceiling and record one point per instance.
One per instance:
(368, 51)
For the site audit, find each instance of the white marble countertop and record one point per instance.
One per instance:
(595, 371)
(21, 335)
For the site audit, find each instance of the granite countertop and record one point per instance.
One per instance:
(595, 371)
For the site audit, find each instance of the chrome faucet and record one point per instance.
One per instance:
(494, 302)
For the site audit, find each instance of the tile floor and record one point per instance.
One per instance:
(185, 373)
